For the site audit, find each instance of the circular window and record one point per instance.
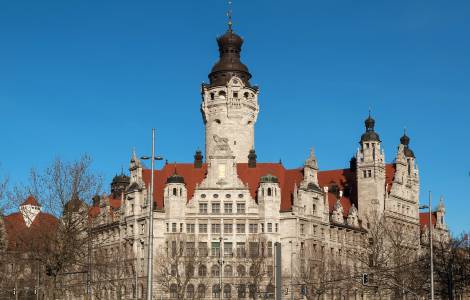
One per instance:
(228, 195)
(203, 195)
(240, 195)
(216, 195)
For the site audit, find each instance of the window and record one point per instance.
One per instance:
(181, 227)
(228, 271)
(240, 228)
(174, 270)
(277, 227)
(364, 173)
(241, 208)
(235, 94)
(190, 248)
(241, 252)
(227, 291)
(202, 249)
(228, 249)
(215, 271)
(201, 291)
(202, 271)
(215, 228)
(270, 249)
(228, 228)
(314, 209)
(215, 249)
(253, 228)
(270, 227)
(190, 228)
(241, 291)
(228, 208)
(369, 173)
(190, 291)
(142, 228)
(202, 228)
(173, 291)
(203, 208)
(215, 291)
(269, 191)
(302, 228)
(174, 191)
(167, 227)
(173, 227)
(254, 249)
(216, 208)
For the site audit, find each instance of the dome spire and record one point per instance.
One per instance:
(229, 16)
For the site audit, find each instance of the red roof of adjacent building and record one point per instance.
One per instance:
(20, 236)
(424, 219)
(342, 179)
(31, 201)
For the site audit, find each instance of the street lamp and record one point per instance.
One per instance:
(430, 243)
(153, 158)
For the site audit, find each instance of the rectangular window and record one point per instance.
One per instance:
(203, 208)
(270, 227)
(173, 227)
(302, 228)
(228, 228)
(240, 228)
(228, 249)
(142, 228)
(190, 249)
(181, 227)
(202, 249)
(190, 228)
(215, 249)
(228, 208)
(216, 208)
(202, 228)
(241, 208)
(241, 252)
(215, 228)
(270, 249)
(167, 227)
(262, 227)
(254, 249)
(314, 209)
(253, 228)
(369, 172)
(277, 227)
(365, 173)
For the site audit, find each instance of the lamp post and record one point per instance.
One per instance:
(430, 243)
(150, 242)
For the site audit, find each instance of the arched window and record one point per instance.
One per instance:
(270, 291)
(222, 95)
(174, 192)
(215, 271)
(227, 291)
(173, 291)
(212, 96)
(202, 272)
(228, 271)
(246, 95)
(215, 291)
(269, 191)
(201, 291)
(241, 291)
(190, 291)
(241, 270)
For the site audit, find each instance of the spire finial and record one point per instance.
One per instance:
(370, 110)
(404, 130)
(229, 15)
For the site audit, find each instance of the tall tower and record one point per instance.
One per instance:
(370, 172)
(229, 102)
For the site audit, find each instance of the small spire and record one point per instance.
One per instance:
(229, 16)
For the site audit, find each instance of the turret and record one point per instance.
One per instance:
(370, 171)
(269, 199)
(311, 170)
(175, 196)
(229, 102)
(440, 214)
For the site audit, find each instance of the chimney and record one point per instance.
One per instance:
(198, 159)
(252, 159)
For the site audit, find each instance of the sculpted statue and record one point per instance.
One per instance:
(221, 143)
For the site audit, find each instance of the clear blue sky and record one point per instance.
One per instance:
(86, 76)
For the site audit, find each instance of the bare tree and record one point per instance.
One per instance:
(179, 267)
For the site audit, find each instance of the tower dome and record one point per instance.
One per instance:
(370, 135)
(229, 63)
(175, 178)
(405, 141)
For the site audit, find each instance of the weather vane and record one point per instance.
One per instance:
(229, 15)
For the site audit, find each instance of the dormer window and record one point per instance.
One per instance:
(222, 95)
(235, 94)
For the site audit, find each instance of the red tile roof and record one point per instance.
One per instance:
(31, 201)
(342, 179)
(424, 219)
(20, 236)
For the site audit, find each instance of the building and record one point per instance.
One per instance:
(222, 216)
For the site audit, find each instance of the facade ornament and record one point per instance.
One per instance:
(352, 217)
(337, 215)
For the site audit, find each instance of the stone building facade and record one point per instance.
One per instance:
(230, 200)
